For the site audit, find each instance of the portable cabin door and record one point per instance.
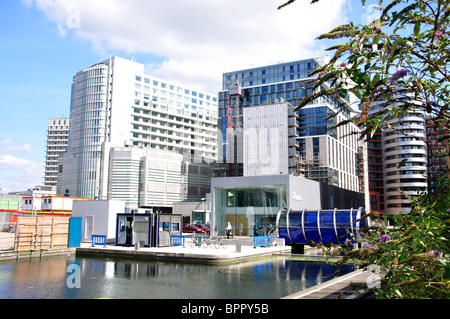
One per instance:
(141, 229)
(121, 230)
(88, 227)
(163, 230)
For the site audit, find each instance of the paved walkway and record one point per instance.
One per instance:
(349, 286)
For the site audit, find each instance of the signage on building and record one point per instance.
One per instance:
(297, 197)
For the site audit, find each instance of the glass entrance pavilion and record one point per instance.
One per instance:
(252, 203)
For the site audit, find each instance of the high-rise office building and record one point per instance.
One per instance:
(57, 137)
(322, 153)
(115, 104)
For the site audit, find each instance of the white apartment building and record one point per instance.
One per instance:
(115, 104)
(57, 137)
(404, 160)
(404, 156)
(336, 158)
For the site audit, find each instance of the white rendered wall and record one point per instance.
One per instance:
(266, 140)
(104, 214)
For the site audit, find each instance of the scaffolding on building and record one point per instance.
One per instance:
(314, 168)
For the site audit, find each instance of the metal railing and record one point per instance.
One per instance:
(99, 240)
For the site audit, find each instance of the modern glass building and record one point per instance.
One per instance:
(254, 201)
(284, 82)
(323, 153)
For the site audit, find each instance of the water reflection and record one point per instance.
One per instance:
(108, 278)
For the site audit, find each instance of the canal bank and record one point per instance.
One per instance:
(350, 286)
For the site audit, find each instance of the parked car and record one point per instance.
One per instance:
(192, 229)
(202, 226)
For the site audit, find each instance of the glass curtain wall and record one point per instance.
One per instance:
(248, 208)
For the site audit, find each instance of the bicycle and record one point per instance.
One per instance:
(220, 242)
(206, 242)
(196, 241)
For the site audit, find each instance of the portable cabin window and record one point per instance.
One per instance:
(175, 227)
(164, 226)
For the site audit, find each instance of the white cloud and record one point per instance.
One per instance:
(8, 146)
(10, 162)
(18, 174)
(199, 39)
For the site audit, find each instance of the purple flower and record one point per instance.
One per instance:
(399, 74)
(343, 65)
(384, 239)
(435, 253)
(439, 33)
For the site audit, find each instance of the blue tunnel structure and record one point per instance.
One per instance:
(334, 226)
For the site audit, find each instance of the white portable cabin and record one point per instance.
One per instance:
(50, 204)
(99, 217)
(59, 203)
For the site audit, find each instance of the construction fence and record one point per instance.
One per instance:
(41, 233)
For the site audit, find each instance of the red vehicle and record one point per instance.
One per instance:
(201, 226)
(192, 229)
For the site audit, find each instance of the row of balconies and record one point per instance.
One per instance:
(180, 140)
(201, 151)
(176, 126)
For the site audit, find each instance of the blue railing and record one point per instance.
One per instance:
(98, 240)
(259, 241)
(177, 240)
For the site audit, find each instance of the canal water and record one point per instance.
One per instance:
(90, 278)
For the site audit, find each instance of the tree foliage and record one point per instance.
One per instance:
(407, 49)
(411, 259)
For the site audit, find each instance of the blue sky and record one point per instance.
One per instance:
(45, 42)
